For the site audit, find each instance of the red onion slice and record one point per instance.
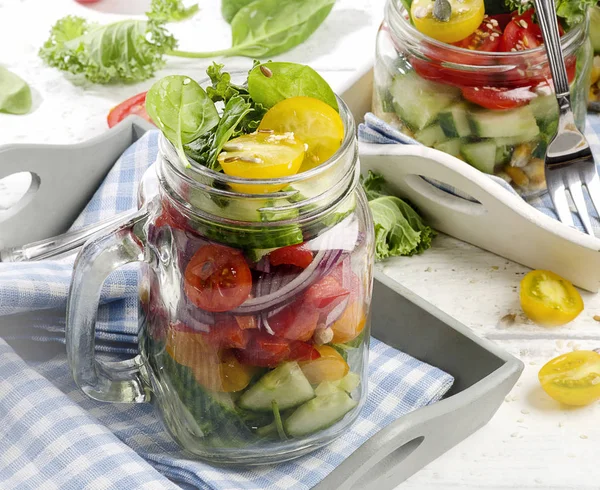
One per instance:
(271, 297)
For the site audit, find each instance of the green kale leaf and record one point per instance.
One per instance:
(124, 51)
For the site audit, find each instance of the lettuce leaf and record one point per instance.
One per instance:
(399, 230)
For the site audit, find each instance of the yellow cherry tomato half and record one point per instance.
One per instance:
(329, 367)
(348, 326)
(548, 299)
(227, 375)
(465, 18)
(262, 155)
(573, 378)
(312, 121)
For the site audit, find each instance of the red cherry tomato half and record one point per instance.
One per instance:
(217, 278)
(295, 322)
(226, 334)
(298, 255)
(495, 98)
(487, 37)
(264, 350)
(324, 292)
(522, 33)
(134, 105)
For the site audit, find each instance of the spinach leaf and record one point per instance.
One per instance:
(125, 51)
(15, 94)
(231, 7)
(265, 28)
(271, 83)
(181, 109)
(270, 27)
(170, 11)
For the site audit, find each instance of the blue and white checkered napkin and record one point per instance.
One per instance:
(53, 437)
(374, 130)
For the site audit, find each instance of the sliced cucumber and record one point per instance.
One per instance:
(286, 384)
(417, 101)
(452, 147)
(544, 107)
(454, 121)
(349, 382)
(517, 140)
(481, 155)
(327, 388)
(431, 135)
(502, 124)
(319, 413)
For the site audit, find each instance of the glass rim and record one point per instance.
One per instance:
(202, 173)
(395, 11)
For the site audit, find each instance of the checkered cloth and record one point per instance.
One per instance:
(53, 437)
(374, 130)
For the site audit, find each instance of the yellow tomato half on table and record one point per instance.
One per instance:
(548, 299)
(573, 378)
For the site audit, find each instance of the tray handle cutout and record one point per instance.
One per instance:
(384, 466)
(418, 184)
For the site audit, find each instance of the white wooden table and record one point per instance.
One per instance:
(532, 442)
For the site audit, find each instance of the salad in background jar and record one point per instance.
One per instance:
(594, 100)
(257, 276)
(472, 80)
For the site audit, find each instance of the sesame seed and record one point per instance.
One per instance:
(494, 22)
(523, 24)
(485, 34)
(420, 12)
(476, 89)
(489, 26)
(513, 49)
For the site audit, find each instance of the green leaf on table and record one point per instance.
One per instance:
(229, 8)
(15, 94)
(270, 83)
(124, 51)
(170, 11)
(399, 230)
(181, 109)
(270, 27)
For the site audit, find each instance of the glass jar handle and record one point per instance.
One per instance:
(101, 380)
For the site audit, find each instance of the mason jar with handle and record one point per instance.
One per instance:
(254, 307)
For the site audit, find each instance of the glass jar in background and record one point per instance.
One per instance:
(254, 311)
(446, 97)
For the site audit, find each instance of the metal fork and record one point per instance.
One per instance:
(569, 160)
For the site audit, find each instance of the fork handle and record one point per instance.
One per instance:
(546, 13)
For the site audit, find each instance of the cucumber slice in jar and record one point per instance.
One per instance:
(502, 124)
(454, 121)
(418, 101)
(452, 147)
(481, 155)
(431, 135)
(319, 413)
(286, 384)
(544, 107)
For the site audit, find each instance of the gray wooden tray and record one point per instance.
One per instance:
(483, 373)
